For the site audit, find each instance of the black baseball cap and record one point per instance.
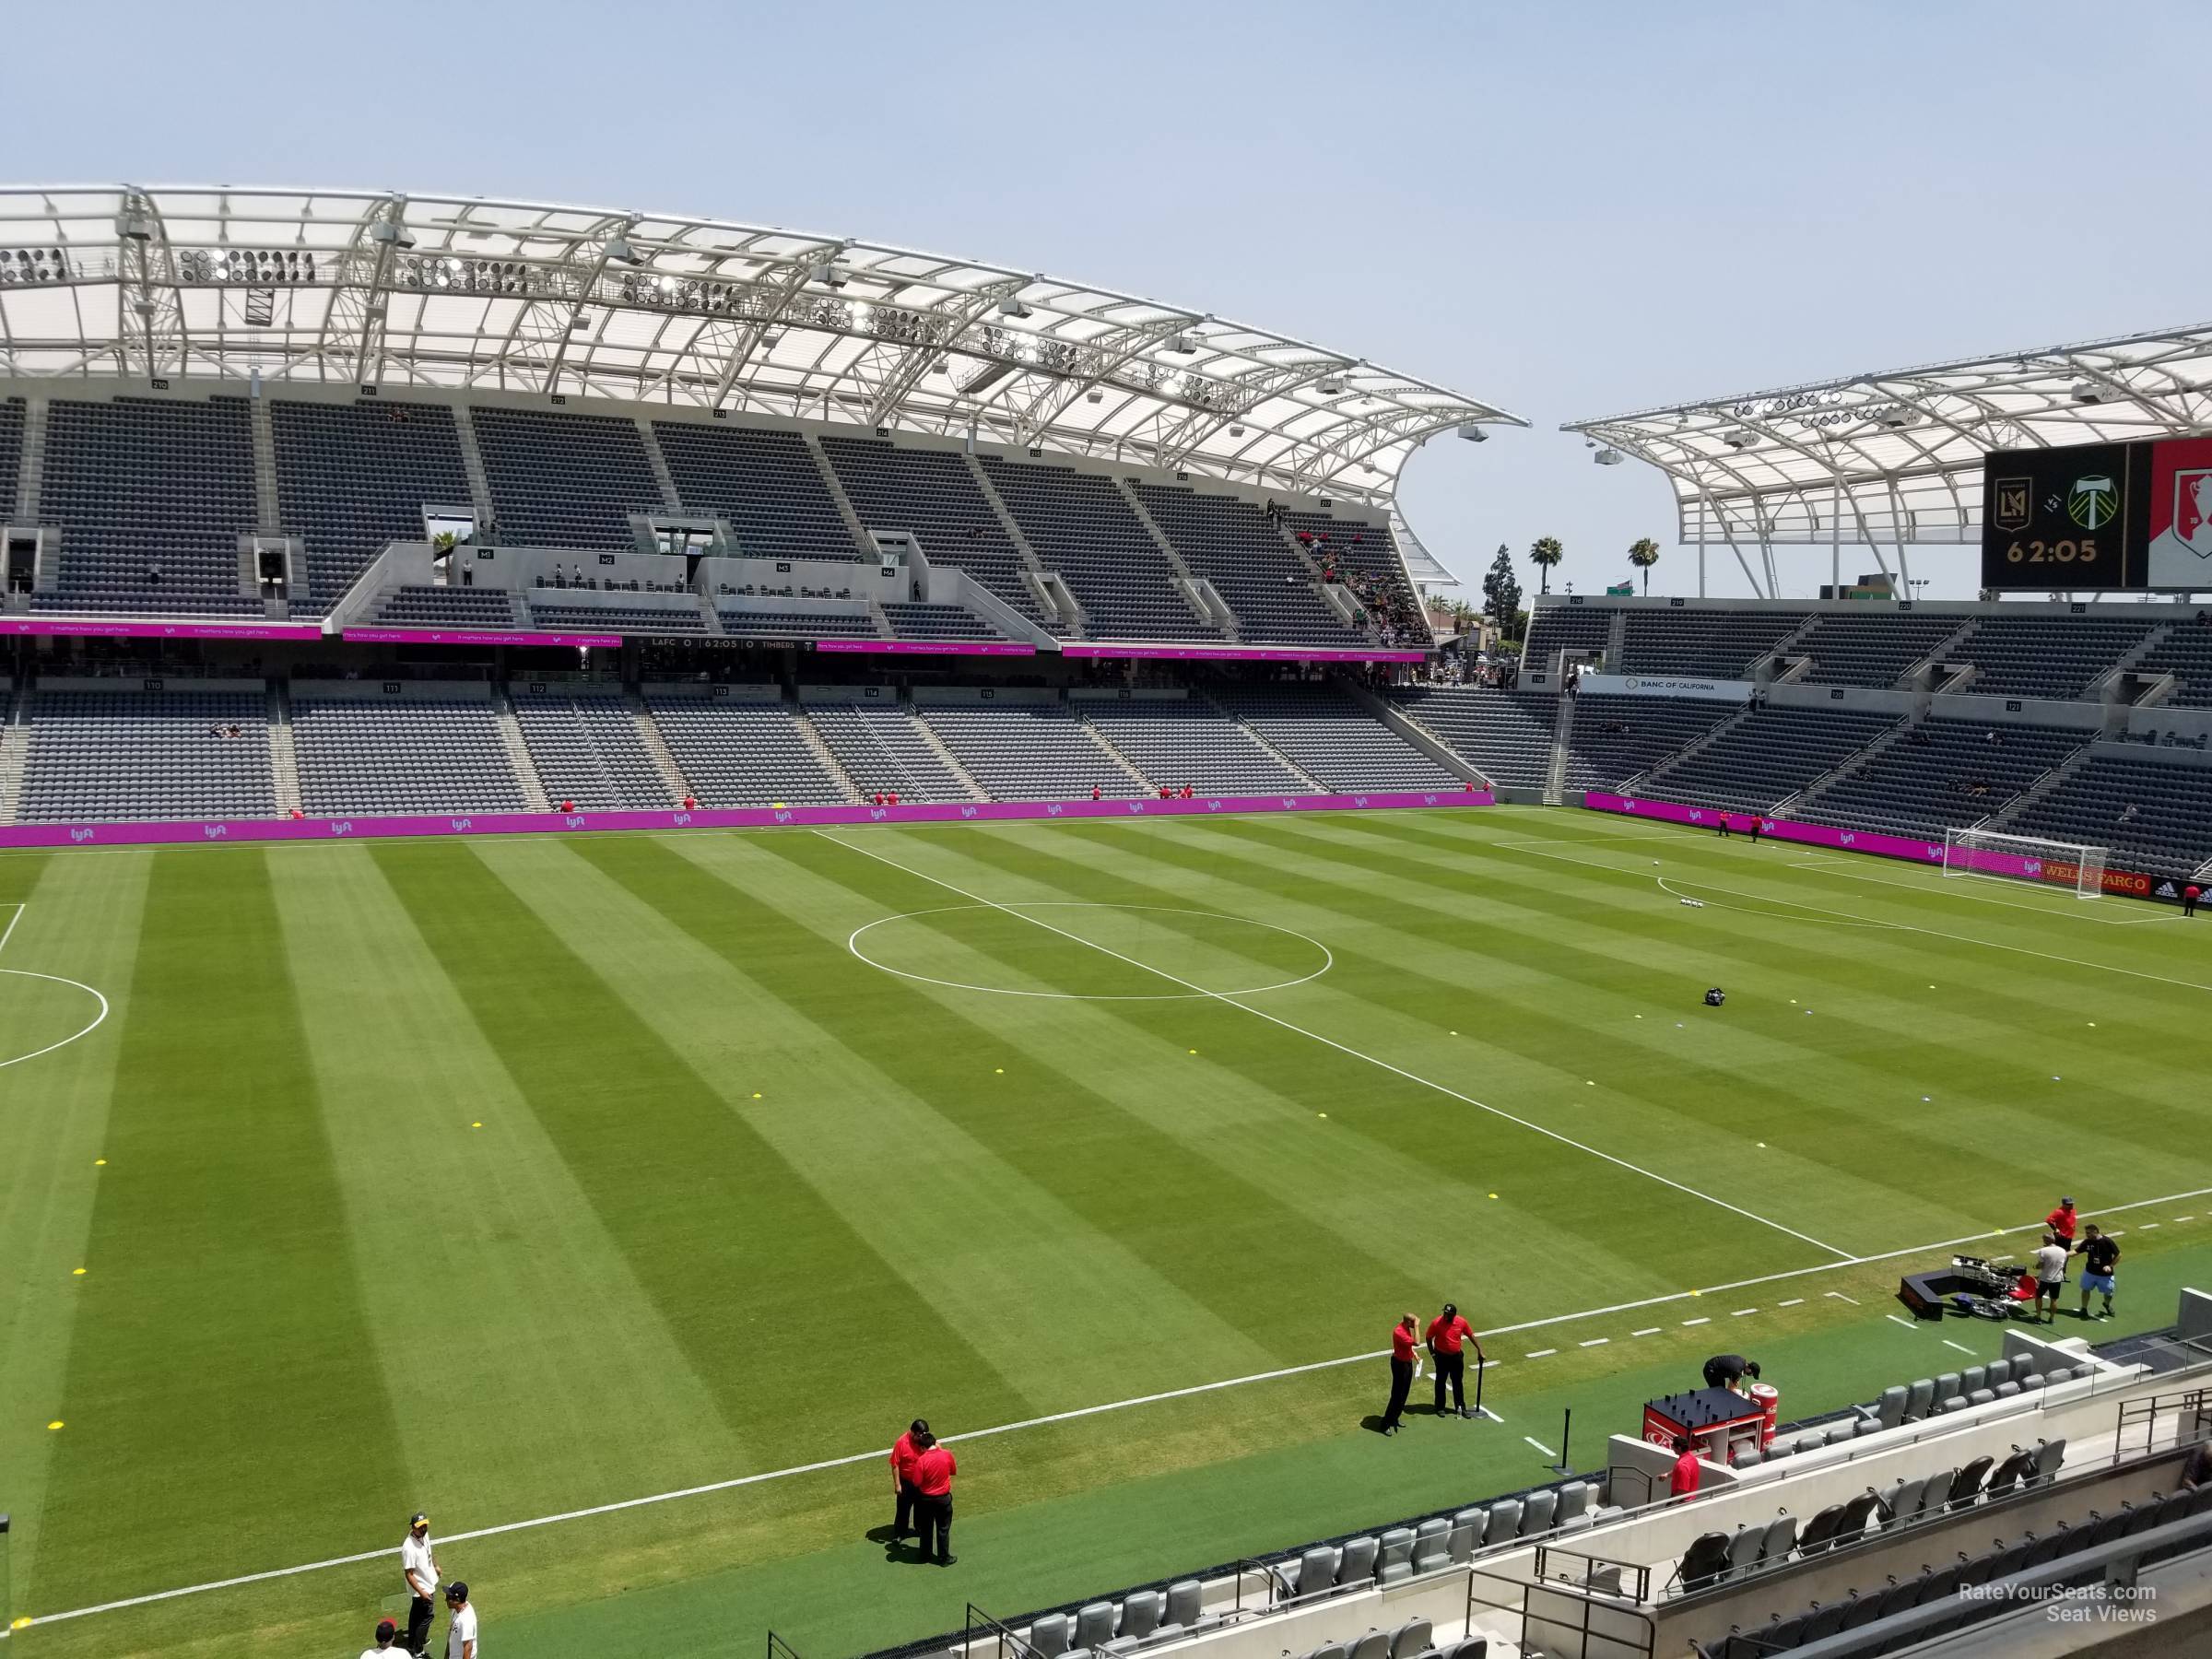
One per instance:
(417, 1519)
(457, 1591)
(385, 1630)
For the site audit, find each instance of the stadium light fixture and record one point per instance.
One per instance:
(1736, 438)
(1331, 386)
(1094, 395)
(619, 252)
(1474, 433)
(2086, 391)
(1608, 456)
(1236, 431)
(1011, 306)
(391, 232)
(1182, 345)
(830, 274)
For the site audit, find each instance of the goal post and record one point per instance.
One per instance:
(2035, 859)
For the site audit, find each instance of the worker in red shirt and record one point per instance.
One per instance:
(1402, 1339)
(2190, 895)
(1094, 791)
(903, 1452)
(933, 1471)
(2063, 1222)
(1682, 1479)
(1446, 1332)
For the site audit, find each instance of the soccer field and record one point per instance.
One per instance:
(509, 1178)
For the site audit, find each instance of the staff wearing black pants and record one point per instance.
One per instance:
(934, 1470)
(419, 1567)
(1446, 1332)
(1402, 1339)
(904, 1450)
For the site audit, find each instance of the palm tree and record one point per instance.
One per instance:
(1544, 553)
(1643, 555)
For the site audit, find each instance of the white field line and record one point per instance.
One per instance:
(1697, 1321)
(1647, 1331)
(1900, 1319)
(1960, 1346)
(1059, 1417)
(1276, 1020)
(98, 1019)
(1540, 1354)
(1853, 916)
(1795, 1301)
(8, 932)
(1539, 1445)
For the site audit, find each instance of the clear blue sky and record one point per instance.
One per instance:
(1569, 210)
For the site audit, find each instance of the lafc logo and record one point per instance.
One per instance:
(2092, 501)
(2015, 509)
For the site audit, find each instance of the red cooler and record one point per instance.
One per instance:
(1768, 1398)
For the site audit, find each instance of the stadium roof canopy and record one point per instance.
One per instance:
(341, 286)
(1896, 458)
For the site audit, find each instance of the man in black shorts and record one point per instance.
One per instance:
(1728, 1370)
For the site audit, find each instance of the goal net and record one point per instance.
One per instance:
(2030, 858)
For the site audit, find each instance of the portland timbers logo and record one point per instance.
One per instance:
(2092, 501)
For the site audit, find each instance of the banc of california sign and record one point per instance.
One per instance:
(1653, 685)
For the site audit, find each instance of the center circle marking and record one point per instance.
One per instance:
(852, 943)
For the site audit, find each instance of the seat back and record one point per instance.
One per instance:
(1537, 1510)
(1048, 1636)
(1140, 1614)
(1431, 1544)
(2049, 1455)
(1781, 1537)
(1705, 1560)
(1317, 1569)
(1094, 1624)
(1745, 1547)
(1505, 1518)
(1820, 1529)
(1359, 1563)
(1409, 1639)
(1919, 1398)
(1396, 1560)
(1999, 1371)
(1973, 1378)
(1966, 1484)
(1185, 1596)
(1467, 1529)
(1375, 1644)
(1890, 1410)
(1946, 1384)
(1574, 1501)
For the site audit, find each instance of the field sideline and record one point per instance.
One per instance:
(505, 1178)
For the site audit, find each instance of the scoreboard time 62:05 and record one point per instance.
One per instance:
(2114, 516)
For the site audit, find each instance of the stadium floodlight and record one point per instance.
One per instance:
(1896, 419)
(1608, 456)
(2086, 391)
(2030, 858)
(393, 231)
(1011, 306)
(619, 252)
(830, 274)
(1331, 385)
(1474, 433)
(1236, 431)
(1737, 438)
(1094, 395)
(1182, 345)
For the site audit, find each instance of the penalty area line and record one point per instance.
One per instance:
(739, 1481)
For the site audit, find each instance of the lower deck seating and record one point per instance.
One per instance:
(585, 749)
(394, 755)
(740, 754)
(1616, 738)
(102, 755)
(1029, 752)
(1505, 735)
(2154, 816)
(1768, 757)
(937, 622)
(883, 751)
(1174, 741)
(1325, 734)
(1941, 775)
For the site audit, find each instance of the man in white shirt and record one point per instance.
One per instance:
(461, 1628)
(2049, 1278)
(421, 1570)
(386, 1631)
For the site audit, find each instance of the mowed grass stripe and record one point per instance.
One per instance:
(1194, 1226)
(880, 1127)
(1650, 1104)
(478, 1244)
(83, 921)
(1203, 1141)
(1550, 1183)
(220, 1335)
(1883, 1034)
(759, 1280)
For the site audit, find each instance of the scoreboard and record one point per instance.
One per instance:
(2116, 516)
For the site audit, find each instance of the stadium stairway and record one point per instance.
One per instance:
(812, 738)
(946, 758)
(1226, 620)
(2036, 791)
(1562, 736)
(657, 746)
(283, 757)
(1252, 731)
(15, 748)
(518, 752)
(1688, 751)
(1801, 805)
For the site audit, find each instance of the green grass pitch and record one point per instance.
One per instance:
(509, 1178)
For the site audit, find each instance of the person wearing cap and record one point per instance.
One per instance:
(934, 1470)
(461, 1626)
(1446, 1332)
(420, 1569)
(386, 1631)
(904, 1450)
(1728, 1370)
(2061, 1223)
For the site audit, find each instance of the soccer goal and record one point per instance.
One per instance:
(2031, 858)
